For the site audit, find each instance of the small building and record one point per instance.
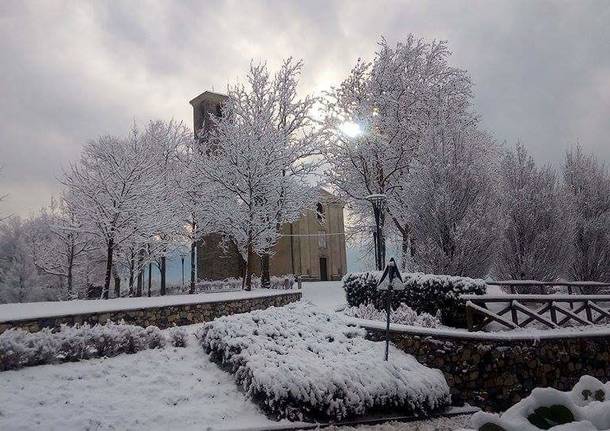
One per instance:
(313, 246)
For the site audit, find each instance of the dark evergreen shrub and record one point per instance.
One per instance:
(427, 293)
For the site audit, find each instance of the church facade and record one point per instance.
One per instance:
(312, 247)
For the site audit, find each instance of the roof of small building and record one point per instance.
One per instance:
(208, 95)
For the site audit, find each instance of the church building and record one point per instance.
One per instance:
(312, 247)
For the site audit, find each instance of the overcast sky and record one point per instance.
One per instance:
(72, 71)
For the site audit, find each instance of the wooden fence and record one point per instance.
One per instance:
(553, 311)
(583, 287)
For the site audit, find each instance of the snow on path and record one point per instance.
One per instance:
(30, 310)
(327, 295)
(171, 388)
(456, 423)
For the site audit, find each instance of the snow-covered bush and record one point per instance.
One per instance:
(403, 315)
(425, 293)
(276, 282)
(19, 348)
(432, 293)
(177, 336)
(585, 408)
(299, 363)
(360, 287)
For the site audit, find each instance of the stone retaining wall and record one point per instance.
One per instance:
(161, 316)
(495, 374)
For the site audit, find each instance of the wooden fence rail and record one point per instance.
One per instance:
(544, 309)
(584, 287)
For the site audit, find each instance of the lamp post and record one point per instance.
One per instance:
(373, 230)
(378, 202)
(182, 255)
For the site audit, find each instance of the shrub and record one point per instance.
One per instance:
(299, 363)
(177, 336)
(19, 348)
(360, 287)
(583, 408)
(403, 315)
(425, 293)
(441, 293)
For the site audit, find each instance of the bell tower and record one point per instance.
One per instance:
(206, 104)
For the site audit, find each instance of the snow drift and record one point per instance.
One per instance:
(299, 363)
(585, 408)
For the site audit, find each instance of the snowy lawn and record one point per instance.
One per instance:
(301, 363)
(171, 388)
(327, 295)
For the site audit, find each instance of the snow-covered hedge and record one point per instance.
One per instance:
(299, 363)
(427, 293)
(360, 288)
(282, 282)
(19, 348)
(403, 315)
(585, 408)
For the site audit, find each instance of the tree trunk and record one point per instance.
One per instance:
(117, 286)
(69, 277)
(162, 270)
(249, 268)
(109, 251)
(265, 278)
(192, 285)
(149, 278)
(140, 281)
(131, 274)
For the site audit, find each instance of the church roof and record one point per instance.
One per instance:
(327, 196)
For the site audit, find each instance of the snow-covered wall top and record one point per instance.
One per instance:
(515, 335)
(41, 310)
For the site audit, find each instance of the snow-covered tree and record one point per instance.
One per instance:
(194, 196)
(113, 192)
(257, 160)
(381, 116)
(19, 279)
(57, 244)
(588, 182)
(165, 140)
(452, 201)
(537, 234)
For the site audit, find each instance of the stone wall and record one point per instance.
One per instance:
(495, 374)
(161, 316)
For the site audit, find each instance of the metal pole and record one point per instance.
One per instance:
(378, 231)
(182, 257)
(375, 247)
(380, 238)
(387, 324)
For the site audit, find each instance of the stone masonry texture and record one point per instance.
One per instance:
(163, 317)
(494, 375)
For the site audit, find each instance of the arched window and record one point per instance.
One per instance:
(320, 212)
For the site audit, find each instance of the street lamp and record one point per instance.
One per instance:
(378, 202)
(182, 256)
(373, 230)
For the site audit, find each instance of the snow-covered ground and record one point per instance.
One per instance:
(441, 424)
(171, 388)
(32, 310)
(327, 295)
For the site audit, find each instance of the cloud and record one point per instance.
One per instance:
(74, 70)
